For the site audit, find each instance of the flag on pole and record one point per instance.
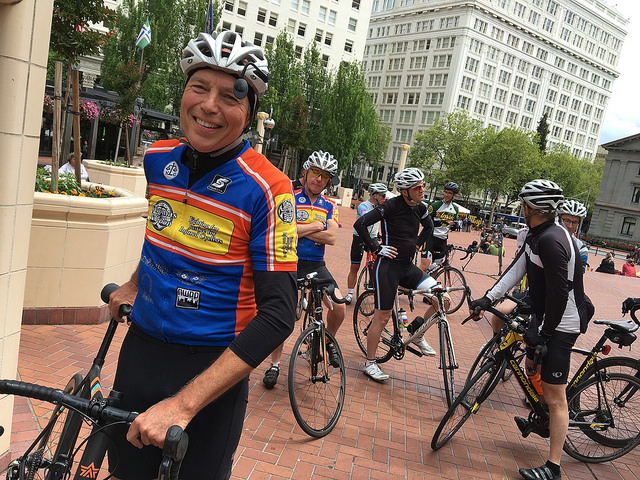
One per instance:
(144, 38)
(208, 24)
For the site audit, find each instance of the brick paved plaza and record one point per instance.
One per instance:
(385, 429)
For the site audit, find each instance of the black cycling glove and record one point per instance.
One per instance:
(480, 303)
(533, 338)
(629, 304)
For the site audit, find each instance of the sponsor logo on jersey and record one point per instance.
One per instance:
(301, 200)
(191, 277)
(286, 211)
(302, 216)
(171, 170)
(287, 245)
(161, 269)
(162, 215)
(219, 184)
(187, 299)
(201, 230)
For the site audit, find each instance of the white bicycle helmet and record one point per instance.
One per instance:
(324, 161)
(377, 188)
(305, 165)
(543, 195)
(407, 178)
(572, 207)
(227, 52)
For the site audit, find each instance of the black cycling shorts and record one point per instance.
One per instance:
(357, 249)
(437, 247)
(388, 275)
(555, 364)
(149, 371)
(307, 266)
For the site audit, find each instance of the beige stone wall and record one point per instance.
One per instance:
(24, 41)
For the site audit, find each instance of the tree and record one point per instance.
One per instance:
(543, 132)
(173, 24)
(72, 37)
(447, 150)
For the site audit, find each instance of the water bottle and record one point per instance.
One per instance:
(402, 318)
(415, 325)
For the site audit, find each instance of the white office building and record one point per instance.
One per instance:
(507, 62)
(339, 28)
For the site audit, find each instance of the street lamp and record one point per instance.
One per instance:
(264, 122)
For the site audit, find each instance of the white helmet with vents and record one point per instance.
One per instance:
(543, 195)
(377, 188)
(407, 178)
(324, 161)
(227, 52)
(572, 207)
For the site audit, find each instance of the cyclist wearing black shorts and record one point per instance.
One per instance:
(551, 260)
(220, 234)
(447, 212)
(317, 226)
(400, 219)
(377, 195)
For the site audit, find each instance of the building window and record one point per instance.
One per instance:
(257, 39)
(302, 29)
(228, 5)
(463, 102)
(348, 46)
(298, 51)
(332, 17)
(226, 26)
(636, 195)
(322, 14)
(352, 24)
(262, 15)
(239, 30)
(273, 19)
(328, 38)
(628, 226)
(291, 25)
(355, 4)
(305, 7)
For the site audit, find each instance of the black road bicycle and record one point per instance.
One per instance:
(52, 454)
(604, 410)
(396, 340)
(316, 387)
(449, 276)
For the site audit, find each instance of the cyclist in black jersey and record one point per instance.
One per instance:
(400, 219)
(551, 260)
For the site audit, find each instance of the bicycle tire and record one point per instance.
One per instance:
(362, 319)
(300, 307)
(364, 281)
(487, 352)
(452, 277)
(55, 443)
(465, 404)
(628, 365)
(316, 405)
(586, 404)
(447, 361)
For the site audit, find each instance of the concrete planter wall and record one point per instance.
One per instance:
(129, 178)
(79, 244)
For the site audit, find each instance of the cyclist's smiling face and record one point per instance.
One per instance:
(210, 114)
(571, 222)
(448, 196)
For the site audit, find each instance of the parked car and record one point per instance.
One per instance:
(512, 230)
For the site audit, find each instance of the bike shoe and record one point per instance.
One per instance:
(271, 377)
(524, 426)
(375, 373)
(424, 347)
(539, 473)
(332, 353)
(348, 298)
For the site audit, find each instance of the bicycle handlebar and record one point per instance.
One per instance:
(176, 440)
(107, 290)
(327, 285)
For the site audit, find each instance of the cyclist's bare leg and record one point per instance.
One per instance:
(431, 309)
(353, 276)
(556, 398)
(505, 307)
(424, 263)
(276, 355)
(335, 316)
(380, 320)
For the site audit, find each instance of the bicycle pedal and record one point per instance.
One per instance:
(414, 351)
(524, 425)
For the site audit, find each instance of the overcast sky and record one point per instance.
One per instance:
(622, 117)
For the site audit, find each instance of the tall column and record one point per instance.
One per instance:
(262, 116)
(24, 46)
(404, 150)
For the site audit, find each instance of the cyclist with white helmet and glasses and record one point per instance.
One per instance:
(561, 311)
(377, 195)
(400, 220)
(220, 233)
(317, 227)
(571, 212)
(447, 212)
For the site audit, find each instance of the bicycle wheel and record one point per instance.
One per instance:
(316, 389)
(362, 319)
(608, 409)
(50, 457)
(302, 303)
(364, 281)
(465, 404)
(447, 361)
(452, 277)
(487, 352)
(628, 365)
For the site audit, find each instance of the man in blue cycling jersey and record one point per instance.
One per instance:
(215, 289)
